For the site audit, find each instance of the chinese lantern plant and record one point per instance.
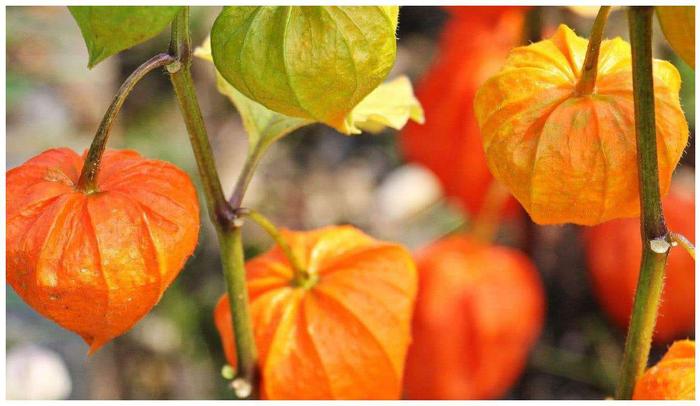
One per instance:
(95, 259)
(93, 242)
(672, 378)
(561, 136)
(479, 310)
(335, 325)
(474, 43)
(678, 25)
(590, 131)
(613, 254)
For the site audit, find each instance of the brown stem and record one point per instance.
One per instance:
(88, 176)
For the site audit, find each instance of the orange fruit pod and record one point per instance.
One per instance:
(343, 336)
(571, 158)
(473, 45)
(614, 252)
(673, 378)
(479, 310)
(97, 263)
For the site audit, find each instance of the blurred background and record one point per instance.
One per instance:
(311, 178)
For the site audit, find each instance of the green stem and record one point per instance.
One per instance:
(301, 275)
(246, 175)
(589, 71)
(180, 75)
(680, 239)
(221, 213)
(233, 261)
(653, 228)
(88, 176)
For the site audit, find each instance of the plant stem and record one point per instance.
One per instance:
(589, 71)
(219, 210)
(680, 239)
(221, 213)
(246, 175)
(301, 275)
(654, 233)
(88, 176)
(233, 261)
(532, 28)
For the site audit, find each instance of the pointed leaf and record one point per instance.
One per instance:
(108, 30)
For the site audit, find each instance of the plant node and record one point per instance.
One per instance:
(660, 245)
(173, 67)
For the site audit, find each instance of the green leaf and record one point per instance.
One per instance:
(263, 125)
(315, 63)
(392, 104)
(108, 30)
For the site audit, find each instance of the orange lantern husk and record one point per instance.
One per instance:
(614, 252)
(673, 378)
(678, 26)
(479, 310)
(571, 158)
(343, 336)
(97, 263)
(473, 45)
